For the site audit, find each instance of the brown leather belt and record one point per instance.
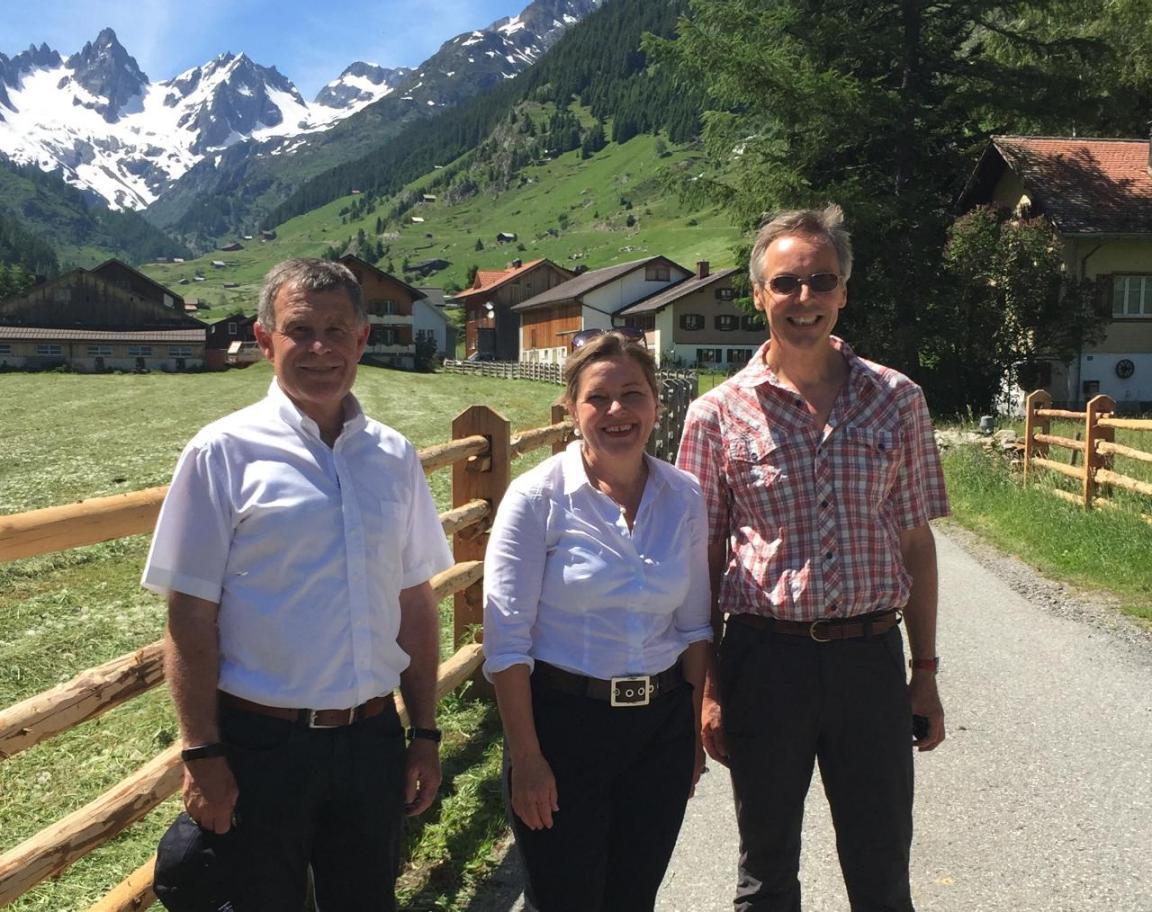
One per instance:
(627, 690)
(824, 630)
(313, 718)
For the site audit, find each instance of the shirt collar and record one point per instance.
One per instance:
(576, 476)
(354, 417)
(757, 372)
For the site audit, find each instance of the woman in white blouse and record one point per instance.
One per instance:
(596, 630)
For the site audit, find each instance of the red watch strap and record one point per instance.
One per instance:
(932, 664)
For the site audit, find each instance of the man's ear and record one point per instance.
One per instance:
(263, 339)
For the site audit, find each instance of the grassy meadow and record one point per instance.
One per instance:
(70, 437)
(570, 210)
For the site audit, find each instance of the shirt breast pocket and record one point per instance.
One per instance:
(758, 473)
(384, 526)
(870, 461)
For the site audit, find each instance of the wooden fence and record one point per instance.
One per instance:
(1092, 451)
(677, 390)
(480, 454)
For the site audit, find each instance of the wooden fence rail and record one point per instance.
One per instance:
(1092, 455)
(480, 455)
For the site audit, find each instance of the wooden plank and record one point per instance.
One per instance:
(1094, 461)
(1128, 424)
(1033, 425)
(540, 437)
(1064, 495)
(74, 525)
(56, 847)
(457, 578)
(133, 893)
(1060, 413)
(1118, 449)
(1059, 467)
(446, 454)
(1106, 476)
(1060, 441)
(453, 521)
(86, 696)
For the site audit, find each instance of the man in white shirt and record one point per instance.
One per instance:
(295, 548)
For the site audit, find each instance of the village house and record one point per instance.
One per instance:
(93, 321)
(430, 322)
(590, 300)
(696, 322)
(1097, 194)
(389, 302)
(229, 338)
(491, 329)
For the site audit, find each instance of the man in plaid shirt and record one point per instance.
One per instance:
(820, 474)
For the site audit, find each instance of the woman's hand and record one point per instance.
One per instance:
(534, 796)
(699, 768)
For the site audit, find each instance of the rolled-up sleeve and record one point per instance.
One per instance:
(919, 494)
(693, 617)
(513, 580)
(193, 535)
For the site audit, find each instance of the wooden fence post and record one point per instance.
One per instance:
(1034, 423)
(484, 478)
(559, 413)
(1097, 406)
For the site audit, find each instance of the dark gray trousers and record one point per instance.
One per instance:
(788, 702)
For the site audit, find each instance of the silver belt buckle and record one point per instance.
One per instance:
(636, 691)
(312, 713)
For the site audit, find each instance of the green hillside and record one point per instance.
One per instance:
(81, 231)
(612, 207)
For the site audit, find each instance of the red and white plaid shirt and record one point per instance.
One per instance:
(813, 521)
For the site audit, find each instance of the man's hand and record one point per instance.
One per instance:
(210, 793)
(712, 730)
(423, 776)
(534, 798)
(926, 702)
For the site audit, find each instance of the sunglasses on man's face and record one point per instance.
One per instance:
(818, 283)
(627, 333)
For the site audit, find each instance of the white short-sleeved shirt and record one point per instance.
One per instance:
(566, 581)
(304, 547)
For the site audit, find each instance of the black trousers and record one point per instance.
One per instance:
(331, 799)
(788, 702)
(622, 778)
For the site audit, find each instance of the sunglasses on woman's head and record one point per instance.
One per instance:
(818, 283)
(627, 333)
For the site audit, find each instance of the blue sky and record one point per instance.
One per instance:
(308, 44)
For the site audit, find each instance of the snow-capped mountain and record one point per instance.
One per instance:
(98, 120)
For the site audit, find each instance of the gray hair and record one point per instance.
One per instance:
(308, 274)
(827, 223)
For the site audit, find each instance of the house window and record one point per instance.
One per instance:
(382, 335)
(99, 349)
(752, 322)
(725, 294)
(646, 322)
(708, 355)
(739, 355)
(180, 351)
(231, 329)
(1132, 296)
(139, 351)
(382, 307)
(48, 350)
(727, 322)
(657, 273)
(691, 321)
(5, 348)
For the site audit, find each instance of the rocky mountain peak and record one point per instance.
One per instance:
(109, 72)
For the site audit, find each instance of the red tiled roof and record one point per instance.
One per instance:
(488, 279)
(1086, 186)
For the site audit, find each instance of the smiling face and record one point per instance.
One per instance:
(314, 349)
(802, 320)
(614, 409)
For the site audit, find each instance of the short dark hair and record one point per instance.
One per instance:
(609, 345)
(827, 223)
(309, 274)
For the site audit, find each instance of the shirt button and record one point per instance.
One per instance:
(799, 403)
(829, 556)
(823, 505)
(832, 609)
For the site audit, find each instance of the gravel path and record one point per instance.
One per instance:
(1041, 798)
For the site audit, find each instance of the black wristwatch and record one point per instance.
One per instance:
(203, 752)
(427, 734)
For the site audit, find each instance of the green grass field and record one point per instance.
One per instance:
(584, 202)
(70, 437)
